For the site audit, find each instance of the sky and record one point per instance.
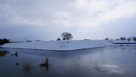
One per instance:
(84, 19)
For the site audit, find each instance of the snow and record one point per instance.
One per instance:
(59, 45)
(123, 41)
(119, 41)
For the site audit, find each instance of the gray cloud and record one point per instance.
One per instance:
(47, 19)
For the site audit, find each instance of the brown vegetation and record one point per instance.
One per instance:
(3, 53)
(27, 65)
(16, 54)
(45, 64)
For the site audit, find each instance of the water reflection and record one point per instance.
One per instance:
(115, 61)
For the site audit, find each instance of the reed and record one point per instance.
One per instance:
(27, 65)
(16, 54)
(3, 53)
(46, 63)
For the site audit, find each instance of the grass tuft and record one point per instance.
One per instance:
(45, 64)
(27, 65)
(3, 53)
(16, 54)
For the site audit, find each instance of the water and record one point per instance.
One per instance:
(113, 61)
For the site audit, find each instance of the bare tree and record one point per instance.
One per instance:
(66, 36)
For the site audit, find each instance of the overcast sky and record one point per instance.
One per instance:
(84, 19)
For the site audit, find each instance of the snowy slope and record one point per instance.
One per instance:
(59, 45)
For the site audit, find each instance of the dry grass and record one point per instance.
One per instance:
(27, 65)
(3, 53)
(16, 54)
(45, 64)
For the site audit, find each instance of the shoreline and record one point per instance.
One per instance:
(63, 45)
(66, 45)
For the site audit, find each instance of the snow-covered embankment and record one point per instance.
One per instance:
(123, 42)
(59, 45)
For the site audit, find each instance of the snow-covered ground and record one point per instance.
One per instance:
(123, 41)
(60, 45)
(119, 41)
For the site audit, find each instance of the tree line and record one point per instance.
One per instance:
(128, 39)
(124, 38)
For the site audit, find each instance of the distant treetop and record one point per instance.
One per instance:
(3, 41)
(66, 36)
